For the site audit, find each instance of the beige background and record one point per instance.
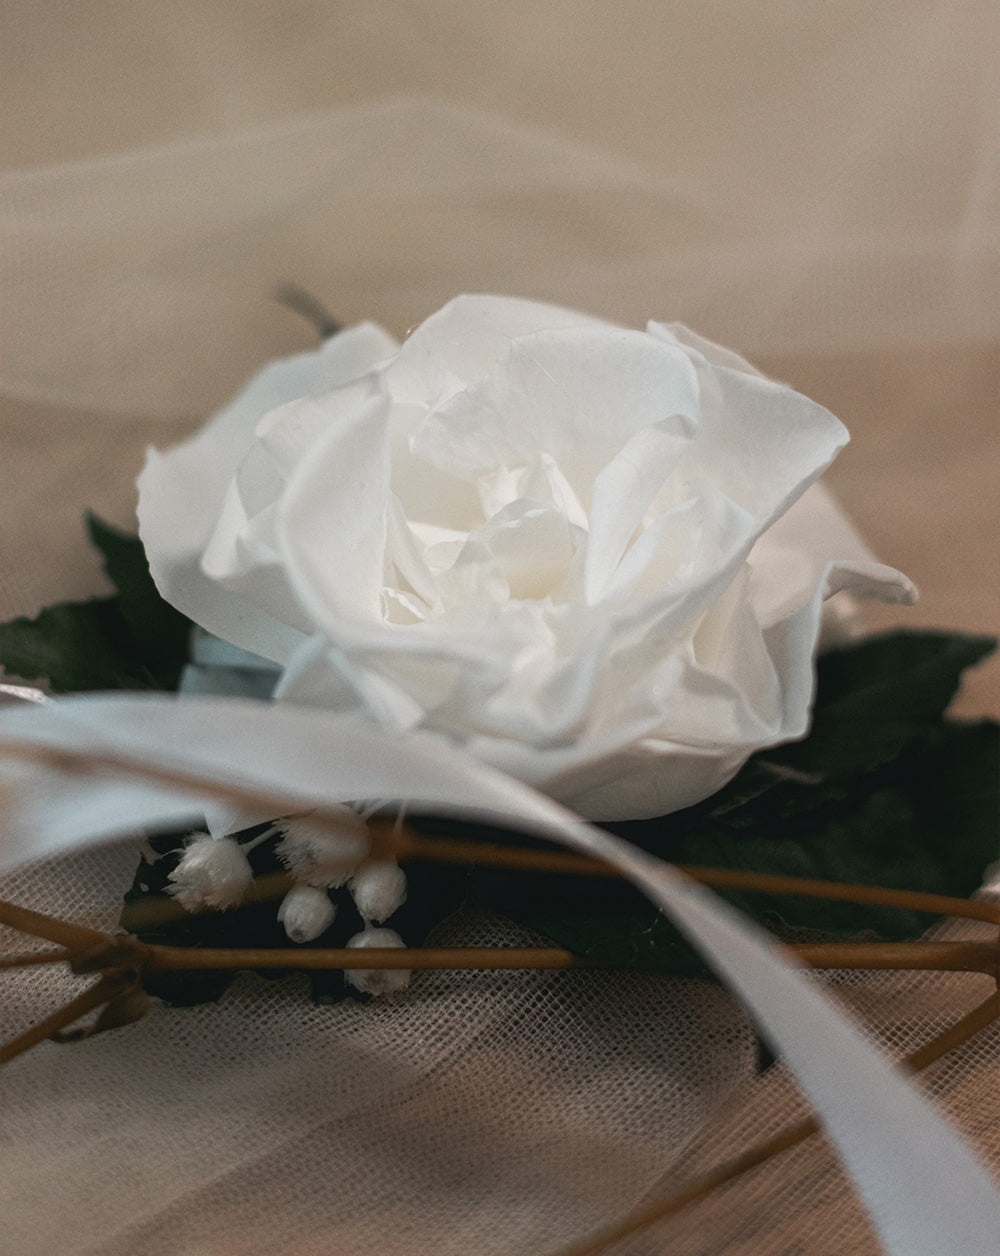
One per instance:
(860, 134)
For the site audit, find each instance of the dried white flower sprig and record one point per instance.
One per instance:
(377, 980)
(378, 889)
(319, 856)
(306, 911)
(214, 872)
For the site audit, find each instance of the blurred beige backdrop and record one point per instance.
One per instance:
(816, 183)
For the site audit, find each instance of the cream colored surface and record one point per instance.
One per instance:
(816, 184)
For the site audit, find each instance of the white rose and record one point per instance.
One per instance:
(580, 552)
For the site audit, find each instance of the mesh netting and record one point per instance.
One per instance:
(495, 1112)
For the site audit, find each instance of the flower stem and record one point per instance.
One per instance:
(171, 958)
(100, 993)
(979, 957)
(62, 932)
(30, 958)
(497, 855)
(304, 303)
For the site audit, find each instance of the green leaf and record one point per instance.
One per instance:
(884, 792)
(875, 696)
(925, 823)
(133, 640)
(160, 634)
(75, 646)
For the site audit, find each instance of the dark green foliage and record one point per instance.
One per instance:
(132, 640)
(885, 791)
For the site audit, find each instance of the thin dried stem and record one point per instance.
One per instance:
(497, 855)
(169, 958)
(62, 932)
(977, 957)
(964, 957)
(162, 909)
(910, 900)
(29, 959)
(103, 991)
(981, 1017)
(153, 911)
(304, 303)
(414, 846)
(978, 1019)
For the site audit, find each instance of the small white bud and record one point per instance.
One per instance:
(378, 889)
(319, 855)
(212, 872)
(377, 980)
(306, 912)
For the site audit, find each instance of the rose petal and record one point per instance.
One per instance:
(464, 340)
(332, 538)
(623, 491)
(540, 479)
(533, 547)
(763, 443)
(718, 355)
(684, 558)
(531, 532)
(181, 492)
(790, 558)
(579, 394)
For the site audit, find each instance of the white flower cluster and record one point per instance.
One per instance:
(214, 872)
